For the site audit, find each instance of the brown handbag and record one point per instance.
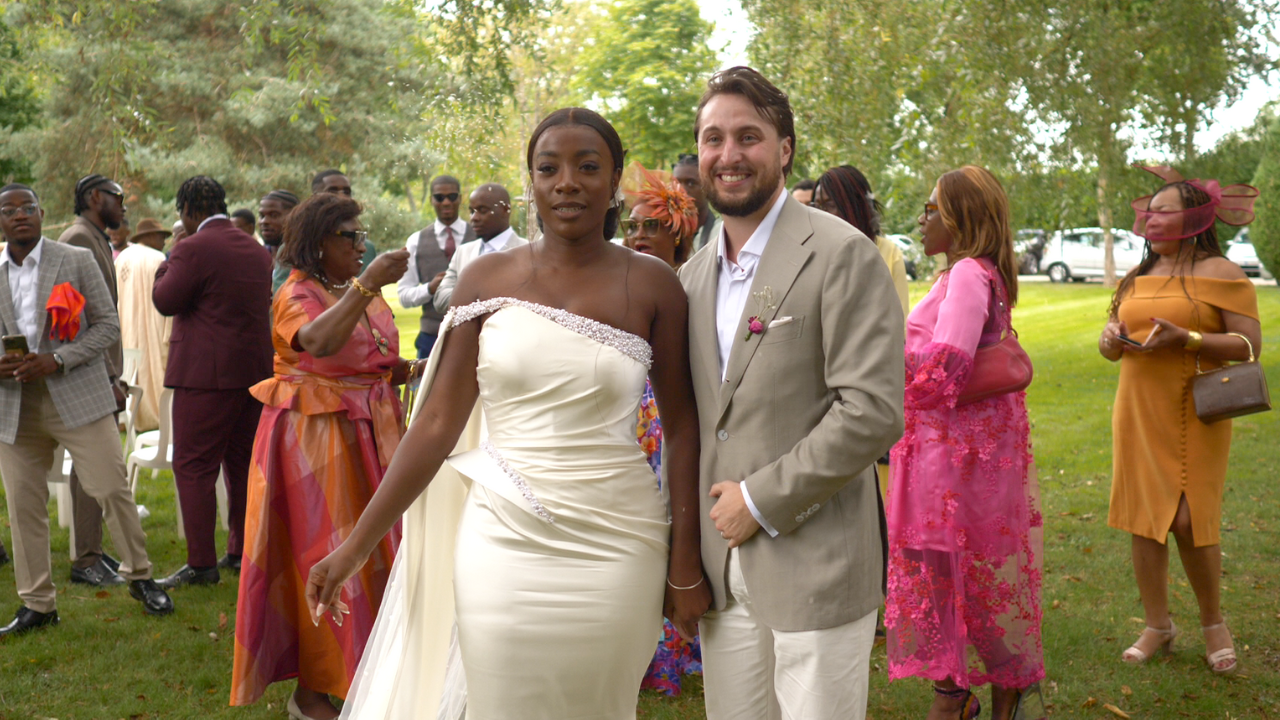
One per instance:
(999, 368)
(1232, 390)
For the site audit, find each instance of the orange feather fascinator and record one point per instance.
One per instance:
(671, 205)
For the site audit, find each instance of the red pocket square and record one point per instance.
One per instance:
(64, 306)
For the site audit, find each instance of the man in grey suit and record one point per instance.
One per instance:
(490, 211)
(430, 251)
(796, 345)
(58, 393)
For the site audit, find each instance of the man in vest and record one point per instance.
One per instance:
(430, 250)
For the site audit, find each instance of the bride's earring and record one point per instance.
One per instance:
(321, 254)
(618, 199)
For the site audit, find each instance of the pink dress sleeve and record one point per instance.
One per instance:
(937, 372)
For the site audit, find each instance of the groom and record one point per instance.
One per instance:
(796, 345)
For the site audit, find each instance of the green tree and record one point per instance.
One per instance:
(1100, 68)
(259, 95)
(1265, 232)
(904, 90)
(18, 105)
(645, 70)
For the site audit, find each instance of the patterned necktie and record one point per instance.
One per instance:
(449, 247)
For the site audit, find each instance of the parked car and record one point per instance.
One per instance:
(1079, 253)
(1242, 253)
(1029, 247)
(909, 251)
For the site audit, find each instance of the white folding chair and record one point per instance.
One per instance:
(129, 373)
(153, 450)
(59, 480)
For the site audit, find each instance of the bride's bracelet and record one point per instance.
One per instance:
(689, 587)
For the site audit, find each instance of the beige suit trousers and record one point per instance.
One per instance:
(24, 466)
(752, 672)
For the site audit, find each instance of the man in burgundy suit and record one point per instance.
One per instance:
(217, 286)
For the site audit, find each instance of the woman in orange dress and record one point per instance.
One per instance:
(330, 424)
(1185, 303)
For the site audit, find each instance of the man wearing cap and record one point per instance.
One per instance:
(141, 325)
(99, 207)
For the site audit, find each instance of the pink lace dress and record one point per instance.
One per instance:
(964, 523)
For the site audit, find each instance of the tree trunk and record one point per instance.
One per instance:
(1104, 222)
(408, 193)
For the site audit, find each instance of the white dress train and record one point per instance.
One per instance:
(556, 555)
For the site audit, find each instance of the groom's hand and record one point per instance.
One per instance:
(731, 515)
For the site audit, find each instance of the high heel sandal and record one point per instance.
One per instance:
(1023, 705)
(1220, 656)
(969, 708)
(1135, 656)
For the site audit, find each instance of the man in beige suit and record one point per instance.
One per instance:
(796, 344)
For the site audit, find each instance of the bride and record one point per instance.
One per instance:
(565, 559)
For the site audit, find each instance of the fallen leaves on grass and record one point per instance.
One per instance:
(1090, 702)
(1125, 690)
(1116, 711)
(102, 594)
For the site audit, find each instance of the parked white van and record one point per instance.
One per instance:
(1078, 253)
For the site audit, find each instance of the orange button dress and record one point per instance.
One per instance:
(1161, 449)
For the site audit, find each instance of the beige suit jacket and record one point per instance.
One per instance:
(803, 413)
(462, 257)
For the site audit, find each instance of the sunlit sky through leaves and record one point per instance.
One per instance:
(734, 30)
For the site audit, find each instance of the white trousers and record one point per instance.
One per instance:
(752, 672)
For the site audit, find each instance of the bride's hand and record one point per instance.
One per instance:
(684, 608)
(324, 584)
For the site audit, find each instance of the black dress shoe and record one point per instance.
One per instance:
(230, 562)
(98, 574)
(111, 562)
(26, 620)
(188, 575)
(155, 601)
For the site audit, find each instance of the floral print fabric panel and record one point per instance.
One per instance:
(963, 510)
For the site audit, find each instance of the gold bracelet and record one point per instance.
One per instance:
(1194, 341)
(355, 283)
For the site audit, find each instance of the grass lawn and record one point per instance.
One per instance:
(107, 660)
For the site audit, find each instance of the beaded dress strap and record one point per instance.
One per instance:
(631, 345)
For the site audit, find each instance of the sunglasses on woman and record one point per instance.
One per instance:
(357, 237)
(649, 226)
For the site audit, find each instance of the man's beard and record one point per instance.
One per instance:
(272, 241)
(762, 190)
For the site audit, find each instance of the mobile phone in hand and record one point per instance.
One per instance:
(1128, 340)
(15, 345)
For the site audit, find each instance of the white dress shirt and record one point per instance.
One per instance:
(211, 218)
(459, 228)
(733, 291)
(497, 243)
(412, 290)
(23, 280)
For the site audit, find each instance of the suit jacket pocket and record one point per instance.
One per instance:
(783, 333)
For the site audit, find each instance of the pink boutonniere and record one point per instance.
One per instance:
(764, 303)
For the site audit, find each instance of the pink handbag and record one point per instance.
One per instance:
(1000, 367)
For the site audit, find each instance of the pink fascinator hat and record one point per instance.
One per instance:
(1232, 205)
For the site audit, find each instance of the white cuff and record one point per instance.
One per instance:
(746, 495)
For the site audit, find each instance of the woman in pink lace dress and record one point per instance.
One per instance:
(963, 605)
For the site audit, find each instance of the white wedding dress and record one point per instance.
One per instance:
(547, 541)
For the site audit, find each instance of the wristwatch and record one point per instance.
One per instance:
(62, 366)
